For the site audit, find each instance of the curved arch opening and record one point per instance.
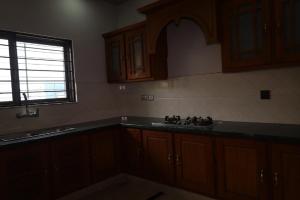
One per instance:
(188, 51)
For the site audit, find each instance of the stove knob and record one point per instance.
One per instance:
(167, 118)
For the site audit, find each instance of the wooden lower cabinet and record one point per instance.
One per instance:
(286, 172)
(104, 153)
(194, 160)
(241, 166)
(24, 173)
(158, 156)
(70, 164)
(132, 161)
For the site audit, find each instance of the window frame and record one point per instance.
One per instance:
(13, 38)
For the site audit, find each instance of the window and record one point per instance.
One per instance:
(40, 67)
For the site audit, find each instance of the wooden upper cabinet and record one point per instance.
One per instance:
(127, 57)
(287, 31)
(158, 156)
(115, 59)
(138, 66)
(285, 171)
(241, 166)
(246, 29)
(104, 153)
(132, 151)
(194, 160)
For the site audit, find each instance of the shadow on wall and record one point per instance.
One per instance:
(188, 53)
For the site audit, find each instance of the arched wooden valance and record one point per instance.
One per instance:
(163, 12)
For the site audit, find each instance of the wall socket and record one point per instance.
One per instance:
(147, 97)
(265, 94)
(122, 87)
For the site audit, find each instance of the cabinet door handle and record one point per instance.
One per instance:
(275, 179)
(178, 160)
(266, 28)
(278, 26)
(261, 175)
(170, 157)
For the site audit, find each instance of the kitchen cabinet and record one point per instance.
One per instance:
(246, 34)
(132, 152)
(104, 153)
(158, 156)
(70, 164)
(285, 171)
(194, 160)
(24, 172)
(287, 31)
(115, 58)
(127, 58)
(259, 34)
(137, 56)
(241, 167)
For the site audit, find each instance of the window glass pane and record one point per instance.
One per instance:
(41, 65)
(5, 74)
(4, 63)
(25, 50)
(5, 97)
(3, 42)
(41, 71)
(4, 51)
(45, 95)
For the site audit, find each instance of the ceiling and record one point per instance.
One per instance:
(116, 1)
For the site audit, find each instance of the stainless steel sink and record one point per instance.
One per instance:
(14, 137)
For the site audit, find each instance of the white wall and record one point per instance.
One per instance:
(127, 13)
(82, 21)
(232, 97)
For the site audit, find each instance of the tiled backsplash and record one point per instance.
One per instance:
(233, 97)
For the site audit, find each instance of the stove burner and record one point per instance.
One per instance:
(189, 121)
(173, 120)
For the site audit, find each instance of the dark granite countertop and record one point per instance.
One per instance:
(262, 131)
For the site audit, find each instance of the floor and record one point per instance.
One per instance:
(132, 188)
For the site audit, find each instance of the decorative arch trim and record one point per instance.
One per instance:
(164, 12)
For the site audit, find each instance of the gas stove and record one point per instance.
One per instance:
(189, 121)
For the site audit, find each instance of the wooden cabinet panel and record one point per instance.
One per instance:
(132, 151)
(25, 172)
(104, 150)
(287, 30)
(241, 169)
(194, 163)
(137, 56)
(158, 152)
(127, 55)
(115, 58)
(246, 29)
(285, 172)
(71, 164)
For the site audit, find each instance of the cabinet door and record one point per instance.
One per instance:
(25, 172)
(285, 172)
(194, 163)
(137, 59)
(105, 159)
(158, 156)
(287, 26)
(241, 169)
(132, 151)
(115, 58)
(246, 32)
(70, 157)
